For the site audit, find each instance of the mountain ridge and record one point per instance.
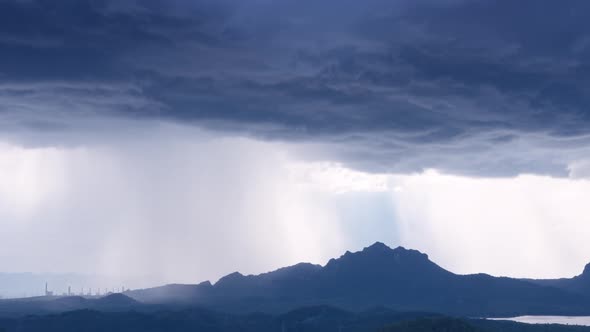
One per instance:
(399, 278)
(577, 284)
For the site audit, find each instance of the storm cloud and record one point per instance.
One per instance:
(487, 88)
(185, 139)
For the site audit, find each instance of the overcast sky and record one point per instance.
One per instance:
(187, 139)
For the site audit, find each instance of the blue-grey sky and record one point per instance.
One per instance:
(177, 137)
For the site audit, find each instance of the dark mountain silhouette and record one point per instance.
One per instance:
(114, 301)
(307, 319)
(400, 279)
(173, 293)
(579, 284)
(377, 277)
(439, 324)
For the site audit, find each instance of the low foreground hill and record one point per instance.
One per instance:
(310, 319)
(436, 324)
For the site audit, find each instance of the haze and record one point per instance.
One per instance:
(179, 141)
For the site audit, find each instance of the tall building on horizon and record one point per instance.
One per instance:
(47, 292)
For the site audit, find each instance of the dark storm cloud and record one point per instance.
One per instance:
(478, 87)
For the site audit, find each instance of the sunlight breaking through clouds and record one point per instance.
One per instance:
(527, 226)
(137, 208)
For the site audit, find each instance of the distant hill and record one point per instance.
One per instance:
(114, 301)
(399, 278)
(46, 305)
(377, 277)
(579, 284)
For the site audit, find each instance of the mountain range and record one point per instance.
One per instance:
(578, 284)
(400, 279)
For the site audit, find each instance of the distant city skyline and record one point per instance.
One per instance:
(18, 285)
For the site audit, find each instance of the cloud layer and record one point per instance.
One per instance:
(182, 139)
(468, 87)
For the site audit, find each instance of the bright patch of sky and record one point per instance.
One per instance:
(185, 210)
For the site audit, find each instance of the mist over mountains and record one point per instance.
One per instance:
(400, 279)
(363, 291)
(19, 285)
(378, 276)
